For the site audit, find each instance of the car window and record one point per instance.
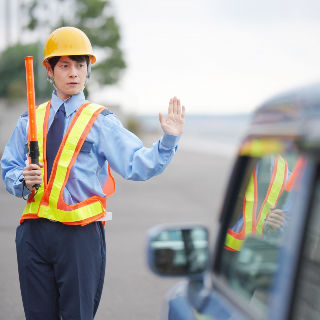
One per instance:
(257, 225)
(307, 305)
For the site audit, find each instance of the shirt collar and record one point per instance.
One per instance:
(71, 104)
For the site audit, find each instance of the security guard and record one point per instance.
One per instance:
(259, 204)
(60, 240)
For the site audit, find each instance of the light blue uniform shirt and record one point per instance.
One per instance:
(107, 142)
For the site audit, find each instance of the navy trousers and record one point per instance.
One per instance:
(61, 269)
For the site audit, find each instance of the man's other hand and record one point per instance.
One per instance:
(174, 124)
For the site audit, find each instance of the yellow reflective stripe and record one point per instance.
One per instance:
(250, 201)
(77, 214)
(274, 192)
(33, 207)
(233, 243)
(51, 211)
(40, 115)
(200, 316)
(69, 150)
(261, 147)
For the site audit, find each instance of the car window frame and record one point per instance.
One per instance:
(240, 176)
(303, 242)
(242, 166)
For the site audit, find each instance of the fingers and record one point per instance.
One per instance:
(274, 227)
(32, 166)
(277, 212)
(161, 118)
(275, 219)
(274, 222)
(170, 108)
(32, 175)
(183, 112)
(178, 107)
(276, 216)
(175, 108)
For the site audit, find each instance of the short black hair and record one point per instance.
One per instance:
(82, 58)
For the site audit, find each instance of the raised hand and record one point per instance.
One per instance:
(174, 124)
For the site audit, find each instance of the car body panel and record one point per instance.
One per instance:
(287, 124)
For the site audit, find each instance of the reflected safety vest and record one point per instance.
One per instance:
(48, 202)
(253, 222)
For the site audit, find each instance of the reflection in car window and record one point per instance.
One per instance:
(308, 291)
(257, 225)
(185, 250)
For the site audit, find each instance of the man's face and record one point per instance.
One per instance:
(69, 77)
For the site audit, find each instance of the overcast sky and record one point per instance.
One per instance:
(218, 56)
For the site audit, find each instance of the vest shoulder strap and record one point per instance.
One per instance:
(105, 110)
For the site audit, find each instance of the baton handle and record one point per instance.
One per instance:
(34, 152)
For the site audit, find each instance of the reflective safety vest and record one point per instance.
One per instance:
(253, 221)
(48, 201)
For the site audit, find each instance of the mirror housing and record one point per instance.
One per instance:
(178, 250)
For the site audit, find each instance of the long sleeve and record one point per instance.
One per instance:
(126, 154)
(107, 142)
(14, 158)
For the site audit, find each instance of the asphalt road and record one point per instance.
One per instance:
(190, 190)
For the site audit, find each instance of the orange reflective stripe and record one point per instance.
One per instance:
(33, 203)
(234, 239)
(53, 205)
(61, 203)
(109, 187)
(274, 172)
(45, 199)
(252, 214)
(251, 222)
(32, 206)
(295, 173)
(226, 246)
(49, 202)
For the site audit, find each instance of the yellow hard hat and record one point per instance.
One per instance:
(68, 41)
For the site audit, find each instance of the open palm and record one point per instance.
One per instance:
(174, 123)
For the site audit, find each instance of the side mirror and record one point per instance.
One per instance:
(178, 250)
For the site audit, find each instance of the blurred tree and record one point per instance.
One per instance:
(40, 17)
(12, 70)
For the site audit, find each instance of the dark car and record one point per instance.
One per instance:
(264, 262)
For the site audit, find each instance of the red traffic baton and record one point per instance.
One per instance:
(33, 142)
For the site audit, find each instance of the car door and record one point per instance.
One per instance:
(256, 256)
(306, 301)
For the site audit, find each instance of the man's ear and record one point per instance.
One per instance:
(49, 70)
